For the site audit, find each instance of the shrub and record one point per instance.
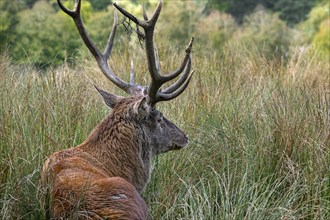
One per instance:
(216, 28)
(265, 32)
(316, 16)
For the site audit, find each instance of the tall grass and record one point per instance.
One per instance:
(259, 135)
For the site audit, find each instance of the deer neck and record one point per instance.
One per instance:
(122, 148)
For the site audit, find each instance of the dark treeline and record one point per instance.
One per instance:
(291, 11)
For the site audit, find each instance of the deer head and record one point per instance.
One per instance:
(157, 133)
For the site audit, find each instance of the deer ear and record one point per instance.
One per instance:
(110, 99)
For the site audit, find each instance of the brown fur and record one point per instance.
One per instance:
(115, 159)
(84, 192)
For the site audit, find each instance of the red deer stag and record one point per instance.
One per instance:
(103, 176)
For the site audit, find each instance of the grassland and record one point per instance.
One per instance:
(259, 134)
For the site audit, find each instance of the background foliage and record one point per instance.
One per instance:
(38, 33)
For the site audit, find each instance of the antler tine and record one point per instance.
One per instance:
(132, 78)
(157, 59)
(156, 13)
(101, 58)
(147, 23)
(165, 96)
(130, 16)
(75, 14)
(145, 16)
(179, 70)
(112, 34)
(180, 81)
(72, 13)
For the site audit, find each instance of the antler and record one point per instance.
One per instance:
(157, 79)
(102, 58)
